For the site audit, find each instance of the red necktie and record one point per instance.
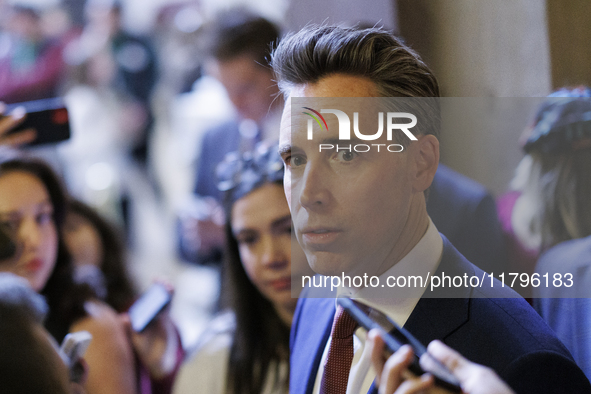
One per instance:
(340, 354)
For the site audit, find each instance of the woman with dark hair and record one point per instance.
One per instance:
(246, 350)
(99, 255)
(32, 210)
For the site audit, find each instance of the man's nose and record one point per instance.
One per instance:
(314, 193)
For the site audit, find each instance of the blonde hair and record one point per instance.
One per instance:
(555, 201)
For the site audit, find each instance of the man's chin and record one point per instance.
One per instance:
(326, 265)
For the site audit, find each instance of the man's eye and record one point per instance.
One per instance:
(296, 161)
(346, 155)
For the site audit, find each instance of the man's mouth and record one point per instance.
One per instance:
(320, 236)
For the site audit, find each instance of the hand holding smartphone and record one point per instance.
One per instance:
(48, 117)
(73, 347)
(395, 337)
(148, 306)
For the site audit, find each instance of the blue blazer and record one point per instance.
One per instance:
(505, 334)
(569, 317)
(216, 143)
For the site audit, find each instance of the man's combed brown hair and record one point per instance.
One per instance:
(319, 51)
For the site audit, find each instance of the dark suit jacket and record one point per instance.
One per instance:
(568, 310)
(216, 143)
(465, 212)
(503, 333)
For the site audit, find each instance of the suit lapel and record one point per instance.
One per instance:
(437, 318)
(432, 318)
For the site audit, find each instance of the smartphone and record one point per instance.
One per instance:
(148, 306)
(49, 117)
(395, 337)
(7, 246)
(73, 347)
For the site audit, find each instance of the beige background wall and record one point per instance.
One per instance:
(484, 48)
(569, 27)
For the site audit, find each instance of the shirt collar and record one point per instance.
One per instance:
(399, 303)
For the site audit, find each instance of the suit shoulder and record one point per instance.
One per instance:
(566, 256)
(447, 180)
(516, 324)
(545, 372)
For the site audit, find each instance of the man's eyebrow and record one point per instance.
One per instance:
(285, 150)
(336, 141)
(330, 141)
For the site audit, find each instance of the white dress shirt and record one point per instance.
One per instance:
(424, 257)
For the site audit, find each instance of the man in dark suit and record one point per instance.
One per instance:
(361, 212)
(237, 44)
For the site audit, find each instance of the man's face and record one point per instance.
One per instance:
(249, 85)
(353, 213)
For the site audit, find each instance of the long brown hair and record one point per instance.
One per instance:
(120, 288)
(261, 338)
(64, 297)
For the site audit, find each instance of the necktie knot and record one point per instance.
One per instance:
(343, 325)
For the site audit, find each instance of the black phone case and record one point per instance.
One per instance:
(148, 306)
(49, 117)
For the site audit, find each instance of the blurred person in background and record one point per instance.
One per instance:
(32, 209)
(31, 63)
(557, 214)
(568, 313)
(107, 124)
(177, 35)
(30, 360)
(133, 70)
(99, 255)
(238, 44)
(100, 260)
(246, 348)
(549, 202)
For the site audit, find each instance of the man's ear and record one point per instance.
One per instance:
(426, 158)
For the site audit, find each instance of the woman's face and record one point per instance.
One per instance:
(83, 240)
(26, 212)
(261, 223)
